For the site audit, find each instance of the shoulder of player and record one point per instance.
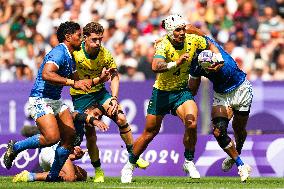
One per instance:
(104, 52)
(103, 49)
(163, 43)
(79, 56)
(59, 52)
(193, 36)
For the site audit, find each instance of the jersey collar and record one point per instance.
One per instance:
(87, 55)
(67, 50)
(176, 47)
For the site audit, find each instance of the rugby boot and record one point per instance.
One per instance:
(9, 155)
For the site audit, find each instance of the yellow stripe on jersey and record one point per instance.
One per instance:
(177, 78)
(88, 68)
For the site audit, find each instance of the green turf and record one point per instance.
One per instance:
(155, 182)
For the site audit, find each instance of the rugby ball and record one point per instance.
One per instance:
(205, 58)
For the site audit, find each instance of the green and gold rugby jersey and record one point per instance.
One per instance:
(177, 78)
(91, 67)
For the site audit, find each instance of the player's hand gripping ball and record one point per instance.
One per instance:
(205, 58)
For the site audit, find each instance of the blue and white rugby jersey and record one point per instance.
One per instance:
(61, 57)
(228, 78)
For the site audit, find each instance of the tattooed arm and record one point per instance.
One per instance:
(159, 65)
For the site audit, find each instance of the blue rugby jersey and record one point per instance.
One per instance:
(228, 78)
(61, 57)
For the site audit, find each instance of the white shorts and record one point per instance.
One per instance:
(239, 99)
(42, 106)
(46, 157)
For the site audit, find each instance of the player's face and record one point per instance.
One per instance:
(94, 41)
(179, 34)
(76, 39)
(94, 111)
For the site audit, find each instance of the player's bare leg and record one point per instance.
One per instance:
(187, 112)
(50, 135)
(125, 131)
(220, 121)
(152, 128)
(93, 151)
(240, 132)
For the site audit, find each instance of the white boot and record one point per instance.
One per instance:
(127, 172)
(244, 172)
(190, 169)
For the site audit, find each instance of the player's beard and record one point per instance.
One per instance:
(180, 39)
(77, 48)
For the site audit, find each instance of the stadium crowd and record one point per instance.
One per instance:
(252, 31)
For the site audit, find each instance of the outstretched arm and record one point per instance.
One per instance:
(190, 29)
(49, 74)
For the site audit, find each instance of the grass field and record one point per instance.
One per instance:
(155, 182)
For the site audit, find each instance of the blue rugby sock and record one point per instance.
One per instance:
(29, 143)
(32, 177)
(238, 161)
(61, 155)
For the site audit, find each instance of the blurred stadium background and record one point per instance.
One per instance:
(252, 31)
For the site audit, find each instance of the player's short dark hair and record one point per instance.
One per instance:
(68, 27)
(93, 27)
(163, 24)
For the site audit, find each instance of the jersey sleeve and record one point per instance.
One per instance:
(201, 42)
(110, 60)
(56, 57)
(160, 50)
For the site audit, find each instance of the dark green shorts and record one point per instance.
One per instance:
(83, 101)
(165, 102)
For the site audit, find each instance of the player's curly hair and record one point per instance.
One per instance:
(93, 27)
(68, 27)
(163, 24)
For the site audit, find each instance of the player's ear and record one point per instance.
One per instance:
(85, 37)
(68, 37)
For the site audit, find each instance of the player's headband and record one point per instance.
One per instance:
(173, 22)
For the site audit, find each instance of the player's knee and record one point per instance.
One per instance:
(52, 138)
(150, 133)
(121, 119)
(220, 131)
(190, 122)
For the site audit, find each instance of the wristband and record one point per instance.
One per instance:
(171, 65)
(69, 82)
(92, 119)
(98, 80)
(81, 117)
